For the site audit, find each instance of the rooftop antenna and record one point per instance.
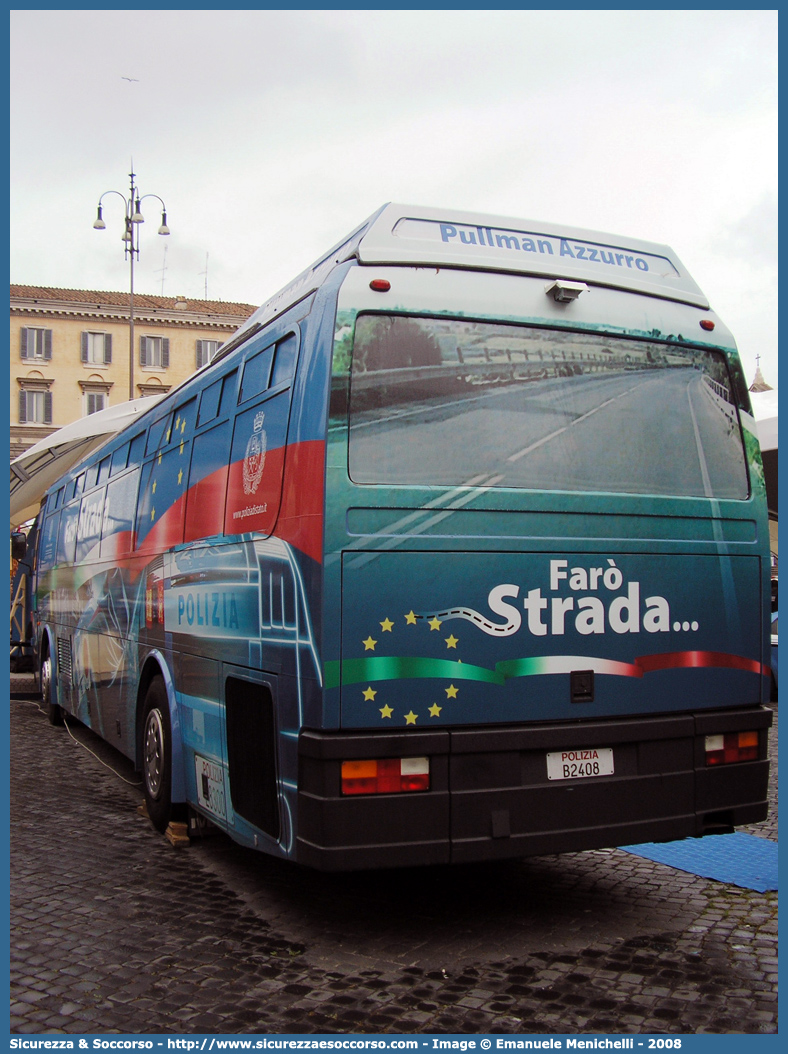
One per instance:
(205, 272)
(162, 269)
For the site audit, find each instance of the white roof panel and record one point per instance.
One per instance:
(447, 238)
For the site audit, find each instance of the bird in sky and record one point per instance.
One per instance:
(136, 79)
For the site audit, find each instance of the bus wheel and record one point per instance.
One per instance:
(157, 755)
(53, 711)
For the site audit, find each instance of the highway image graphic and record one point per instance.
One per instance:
(644, 429)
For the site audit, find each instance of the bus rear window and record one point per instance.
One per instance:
(452, 402)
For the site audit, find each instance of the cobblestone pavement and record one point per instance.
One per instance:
(113, 930)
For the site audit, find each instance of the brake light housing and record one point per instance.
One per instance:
(730, 747)
(385, 775)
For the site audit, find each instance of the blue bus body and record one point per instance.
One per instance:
(458, 550)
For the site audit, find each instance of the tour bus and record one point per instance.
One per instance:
(458, 550)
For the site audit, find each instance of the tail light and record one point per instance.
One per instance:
(385, 775)
(733, 746)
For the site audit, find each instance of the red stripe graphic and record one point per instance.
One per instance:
(683, 660)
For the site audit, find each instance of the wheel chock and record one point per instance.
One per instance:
(177, 833)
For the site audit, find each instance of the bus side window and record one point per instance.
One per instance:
(91, 477)
(208, 483)
(47, 548)
(228, 399)
(120, 459)
(257, 373)
(156, 433)
(103, 469)
(137, 449)
(67, 537)
(254, 482)
(284, 361)
(91, 515)
(162, 495)
(117, 533)
(182, 422)
(209, 403)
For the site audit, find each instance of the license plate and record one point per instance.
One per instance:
(210, 786)
(580, 764)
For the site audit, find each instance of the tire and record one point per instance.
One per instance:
(157, 755)
(53, 711)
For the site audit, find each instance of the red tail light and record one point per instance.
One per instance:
(385, 775)
(733, 746)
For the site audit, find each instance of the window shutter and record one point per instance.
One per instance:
(23, 342)
(47, 344)
(165, 352)
(107, 349)
(143, 350)
(47, 408)
(84, 348)
(23, 406)
(199, 354)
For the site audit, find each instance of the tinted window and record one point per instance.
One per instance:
(209, 403)
(182, 422)
(119, 459)
(256, 375)
(208, 482)
(103, 469)
(451, 402)
(228, 393)
(284, 361)
(157, 432)
(136, 449)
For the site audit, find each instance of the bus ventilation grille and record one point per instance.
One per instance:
(64, 663)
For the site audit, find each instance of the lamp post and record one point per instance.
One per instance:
(131, 247)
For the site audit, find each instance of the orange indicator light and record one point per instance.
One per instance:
(385, 775)
(733, 746)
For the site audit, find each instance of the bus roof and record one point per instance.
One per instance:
(416, 235)
(448, 238)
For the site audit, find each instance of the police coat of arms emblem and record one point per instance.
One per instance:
(254, 461)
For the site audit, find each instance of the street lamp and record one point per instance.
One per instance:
(131, 248)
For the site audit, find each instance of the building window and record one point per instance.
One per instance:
(94, 401)
(35, 407)
(155, 352)
(95, 394)
(97, 349)
(35, 343)
(206, 351)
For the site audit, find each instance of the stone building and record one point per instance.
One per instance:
(69, 353)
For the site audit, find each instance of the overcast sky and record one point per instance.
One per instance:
(271, 134)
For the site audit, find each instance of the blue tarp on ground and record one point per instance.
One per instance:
(739, 859)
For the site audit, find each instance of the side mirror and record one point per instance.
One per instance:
(18, 545)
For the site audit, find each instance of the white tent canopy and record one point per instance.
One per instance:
(33, 472)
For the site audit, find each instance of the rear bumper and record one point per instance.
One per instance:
(490, 797)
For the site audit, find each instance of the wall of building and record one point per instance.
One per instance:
(48, 344)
